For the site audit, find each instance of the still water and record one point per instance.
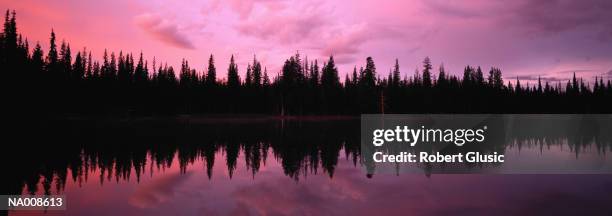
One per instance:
(219, 166)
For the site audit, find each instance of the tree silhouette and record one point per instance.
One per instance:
(211, 74)
(427, 72)
(233, 79)
(64, 81)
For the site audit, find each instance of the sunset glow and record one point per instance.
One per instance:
(526, 39)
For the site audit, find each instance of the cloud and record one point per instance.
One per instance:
(449, 9)
(283, 29)
(278, 196)
(574, 71)
(157, 191)
(344, 59)
(243, 8)
(557, 16)
(607, 74)
(544, 17)
(348, 42)
(163, 30)
(544, 79)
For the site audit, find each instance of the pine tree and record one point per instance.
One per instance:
(65, 60)
(248, 80)
(256, 72)
(468, 75)
(78, 67)
(112, 67)
(140, 74)
(369, 74)
(396, 74)
(266, 79)
(52, 57)
(479, 77)
(574, 88)
(314, 74)
(9, 36)
(233, 79)
(427, 72)
(495, 79)
(442, 75)
(539, 85)
(292, 72)
(329, 78)
(211, 74)
(355, 77)
(37, 59)
(105, 70)
(185, 74)
(89, 69)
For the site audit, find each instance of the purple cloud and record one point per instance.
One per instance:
(163, 30)
(556, 16)
(345, 45)
(548, 16)
(283, 29)
(243, 8)
(543, 78)
(157, 191)
(607, 75)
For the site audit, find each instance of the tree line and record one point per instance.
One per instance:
(63, 81)
(110, 151)
(124, 152)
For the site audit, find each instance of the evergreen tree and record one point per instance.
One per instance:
(248, 80)
(479, 77)
(427, 72)
(65, 60)
(37, 59)
(52, 57)
(233, 79)
(442, 75)
(266, 79)
(539, 90)
(574, 88)
(112, 67)
(329, 78)
(78, 67)
(62, 84)
(495, 78)
(355, 78)
(396, 74)
(89, 67)
(314, 74)
(468, 75)
(140, 74)
(211, 75)
(256, 72)
(369, 74)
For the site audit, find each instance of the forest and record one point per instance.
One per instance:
(60, 81)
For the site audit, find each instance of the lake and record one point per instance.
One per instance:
(295, 166)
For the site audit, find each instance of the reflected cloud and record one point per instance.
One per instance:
(157, 191)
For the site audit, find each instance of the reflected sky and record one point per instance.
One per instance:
(274, 169)
(168, 191)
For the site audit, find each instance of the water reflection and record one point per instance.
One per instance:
(194, 167)
(124, 150)
(588, 137)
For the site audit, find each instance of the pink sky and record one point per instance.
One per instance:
(524, 38)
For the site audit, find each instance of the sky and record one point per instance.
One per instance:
(527, 39)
